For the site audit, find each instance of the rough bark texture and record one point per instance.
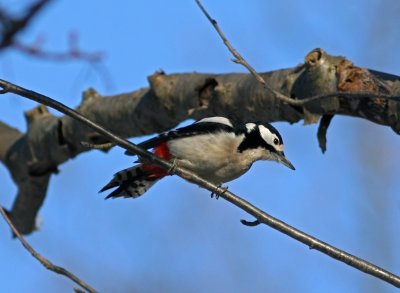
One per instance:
(31, 158)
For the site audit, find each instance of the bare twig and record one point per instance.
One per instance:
(103, 146)
(72, 53)
(238, 58)
(294, 102)
(348, 94)
(45, 262)
(11, 26)
(260, 215)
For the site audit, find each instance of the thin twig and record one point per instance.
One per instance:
(323, 247)
(356, 95)
(239, 59)
(103, 146)
(260, 215)
(294, 102)
(14, 26)
(45, 262)
(72, 53)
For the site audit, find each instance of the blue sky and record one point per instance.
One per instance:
(175, 238)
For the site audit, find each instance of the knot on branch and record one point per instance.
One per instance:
(162, 88)
(36, 113)
(90, 95)
(318, 76)
(206, 92)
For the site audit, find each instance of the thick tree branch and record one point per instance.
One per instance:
(45, 262)
(8, 137)
(260, 215)
(170, 99)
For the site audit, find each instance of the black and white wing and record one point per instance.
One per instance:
(203, 126)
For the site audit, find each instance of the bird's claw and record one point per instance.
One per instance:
(172, 169)
(217, 194)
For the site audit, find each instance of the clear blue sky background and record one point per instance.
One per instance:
(175, 238)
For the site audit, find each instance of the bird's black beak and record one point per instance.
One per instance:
(282, 159)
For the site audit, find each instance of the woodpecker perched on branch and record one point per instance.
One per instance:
(214, 148)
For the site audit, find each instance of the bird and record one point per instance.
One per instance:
(215, 148)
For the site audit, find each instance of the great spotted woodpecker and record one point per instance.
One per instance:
(215, 148)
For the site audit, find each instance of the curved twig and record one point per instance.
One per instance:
(103, 146)
(260, 215)
(45, 262)
(250, 223)
(294, 102)
(238, 58)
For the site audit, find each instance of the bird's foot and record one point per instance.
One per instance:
(172, 169)
(217, 194)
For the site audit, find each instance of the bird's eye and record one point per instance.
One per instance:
(276, 141)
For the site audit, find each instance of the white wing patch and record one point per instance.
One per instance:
(217, 119)
(250, 126)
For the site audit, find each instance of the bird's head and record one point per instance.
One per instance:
(264, 138)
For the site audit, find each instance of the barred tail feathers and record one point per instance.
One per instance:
(131, 182)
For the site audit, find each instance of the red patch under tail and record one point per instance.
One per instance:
(154, 171)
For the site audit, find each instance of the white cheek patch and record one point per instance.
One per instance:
(267, 135)
(216, 119)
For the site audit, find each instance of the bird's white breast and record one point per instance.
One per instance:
(212, 156)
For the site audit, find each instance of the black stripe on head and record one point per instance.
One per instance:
(253, 140)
